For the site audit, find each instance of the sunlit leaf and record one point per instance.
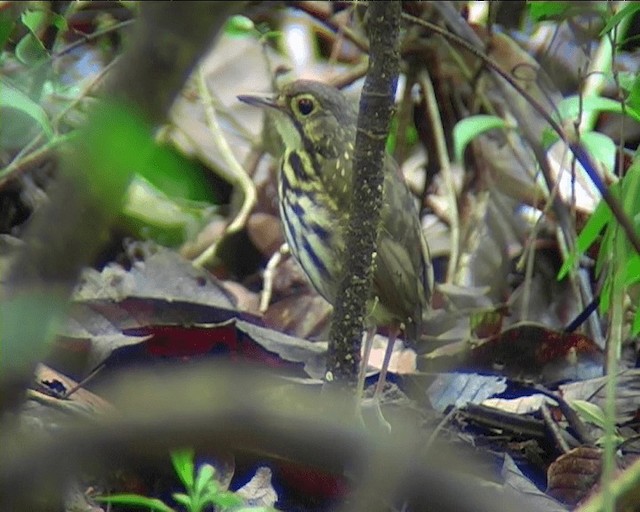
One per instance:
(239, 26)
(467, 129)
(589, 412)
(572, 106)
(182, 461)
(204, 478)
(34, 20)
(601, 147)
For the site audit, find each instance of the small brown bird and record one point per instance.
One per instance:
(318, 126)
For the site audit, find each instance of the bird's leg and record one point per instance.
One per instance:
(393, 334)
(372, 406)
(368, 343)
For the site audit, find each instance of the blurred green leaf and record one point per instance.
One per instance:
(59, 21)
(183, 499)
(226, 499)
(549, 137)
(240, 26)
(601, 147)
(635, 328)
(177, 176)
(135, 500)
(599, 219)
(11, 97)
(34, 20)
(116, 143)
(170, 221)
(7, 24)
(570, 107)
(467, 129)
(30, 50)
(543, 10)
(205, 478)
(411, 135)
(632, 270)
(633, 99)
(182, 461)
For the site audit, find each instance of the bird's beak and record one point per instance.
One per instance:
(255, 100)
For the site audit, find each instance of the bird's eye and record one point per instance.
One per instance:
(305, 106)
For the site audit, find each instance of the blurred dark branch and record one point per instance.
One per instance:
(66, 233)
(226, 409)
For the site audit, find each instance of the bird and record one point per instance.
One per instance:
(317, 124)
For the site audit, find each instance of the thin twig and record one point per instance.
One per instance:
(307, 7)
(269, 273)
(238, 176)
(445, 168)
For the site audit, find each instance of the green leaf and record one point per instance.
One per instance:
(135, 500)
(469, 128)
(204, 479)
(226, 499)
(150, 213)
(182, 461)
(59, 21)
(239, 26)
(13, 98)
(589, 412)
(182, 499)
(599, 219)
(6, 27)
(605, 295)
(635, 329)
(34, 20)
(633, 99)
(604, 251)
(543, 10)
(631, 189)
(30, 50)
(549, 137)
(176, 175)
(628, 10)
(570, 107)
(632, 269)
(601, 147)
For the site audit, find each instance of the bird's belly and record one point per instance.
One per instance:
(314, 237)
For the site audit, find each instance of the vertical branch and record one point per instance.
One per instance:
(376, 108)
